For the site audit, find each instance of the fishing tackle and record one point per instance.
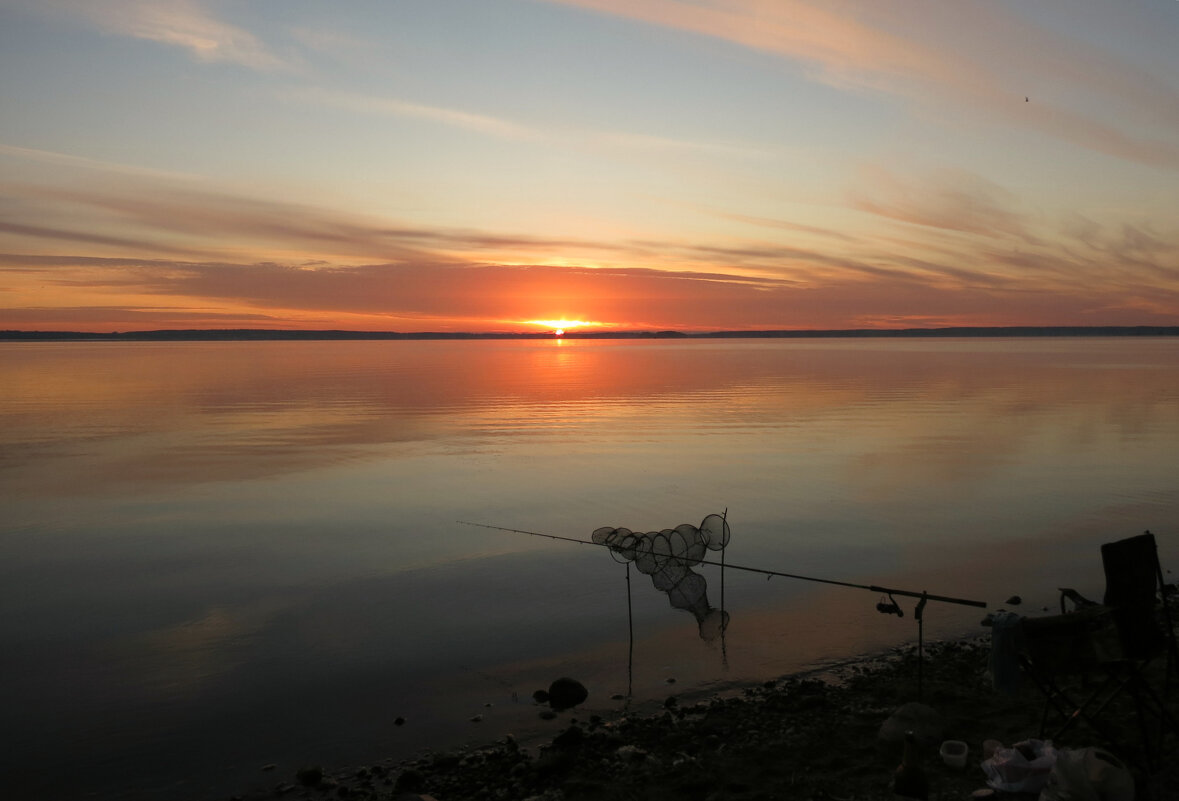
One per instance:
(890, 608)
(768, 573)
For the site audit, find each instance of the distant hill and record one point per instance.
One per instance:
(255, 334)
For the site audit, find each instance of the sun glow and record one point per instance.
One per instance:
(562, 325)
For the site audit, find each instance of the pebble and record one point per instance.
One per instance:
(409, 781)
(570, 738)
(631, 753)
(309, 777)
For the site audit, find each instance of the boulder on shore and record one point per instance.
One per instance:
(564, 693)
(925, 722)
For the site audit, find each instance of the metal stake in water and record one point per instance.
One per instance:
(630, 628)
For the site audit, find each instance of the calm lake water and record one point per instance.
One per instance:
(215, 556)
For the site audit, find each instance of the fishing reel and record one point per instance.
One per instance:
(891, 607)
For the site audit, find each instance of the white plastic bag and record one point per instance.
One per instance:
(1011, 770)
(1088, 774)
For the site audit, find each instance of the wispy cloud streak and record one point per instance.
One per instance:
(369, 104)
(963, 246)
(941, 56)
(954, 200)
(185, 24)
(68, 160)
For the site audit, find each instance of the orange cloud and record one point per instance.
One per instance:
(943, 57)
(945, 247)
(954, 200)
(496, 297)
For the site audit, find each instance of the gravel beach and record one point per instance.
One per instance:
(812, 736)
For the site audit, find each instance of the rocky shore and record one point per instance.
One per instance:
(815, 736)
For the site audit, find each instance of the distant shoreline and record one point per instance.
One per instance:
(253, 334)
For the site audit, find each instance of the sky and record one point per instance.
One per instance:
(516, 165)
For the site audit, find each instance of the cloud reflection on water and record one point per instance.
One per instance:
(88, 417)
(207, 532)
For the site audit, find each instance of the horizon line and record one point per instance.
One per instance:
(262, 334)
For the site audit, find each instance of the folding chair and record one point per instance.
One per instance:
(1061, 654)
(1133, 578)
(1120, 639)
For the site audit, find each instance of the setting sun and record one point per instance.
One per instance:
(561, 326)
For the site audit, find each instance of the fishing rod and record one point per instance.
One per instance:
(767, 573)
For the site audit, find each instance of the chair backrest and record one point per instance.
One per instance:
(1131, 581)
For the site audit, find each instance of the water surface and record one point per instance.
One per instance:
(215, 556)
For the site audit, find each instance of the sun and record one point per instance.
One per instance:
(559, 327)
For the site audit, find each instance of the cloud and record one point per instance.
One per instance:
(501, 128)
(432, 296)
(1083, 130)
(64, 235)
(429, 291)
(185, 24)
(1135, 251)
(943, 56)
(342, 46)
(65, 159)
(951, 240)
(352, 286)
(991, 241)
(665, 144)
(830, 39)
(949, 199)
(370, 104)
(784, 225)
(806, 265)
(202, 220)
(149, 317)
